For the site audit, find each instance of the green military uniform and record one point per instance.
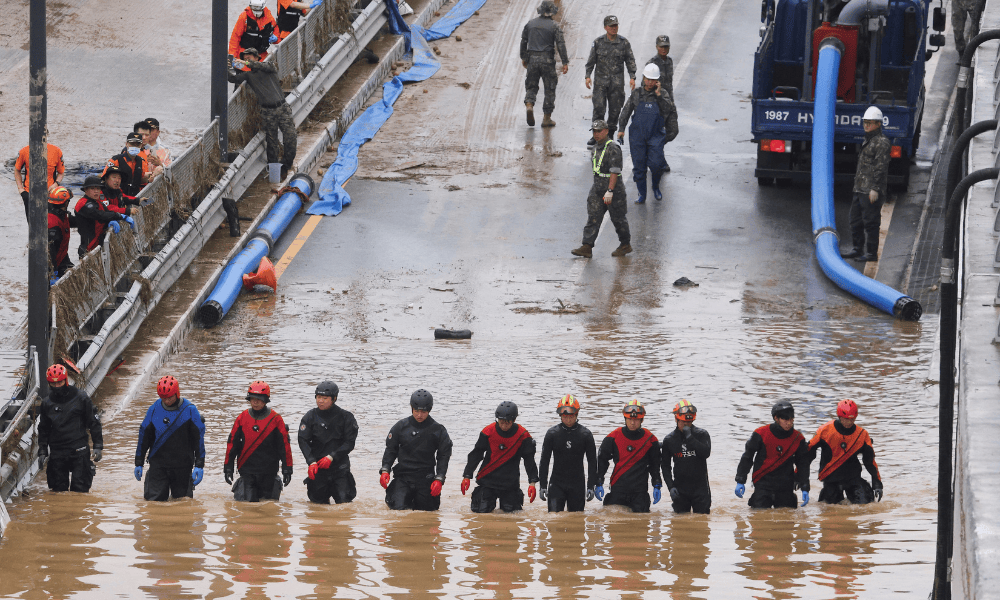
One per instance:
(606, 159)
(608, 61)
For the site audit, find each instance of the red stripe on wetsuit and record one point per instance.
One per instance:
(776, 451)
(502, 448)
(252, 439)
(629, 452)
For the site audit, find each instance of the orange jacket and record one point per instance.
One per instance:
(265, 23)
(56, 164)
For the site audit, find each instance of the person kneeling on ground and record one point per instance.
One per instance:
(839, 443)
(780, 459)
(173, 434)
(636, 453)
(423, 449)
(327, 435)
(500, 448)
(257, 443)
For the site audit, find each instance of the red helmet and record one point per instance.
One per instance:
(634, 409)
(60, 195)
(55, 373)
(168, 386)
(260, 390)
(685, 411)
(568, 404)
(847, 408)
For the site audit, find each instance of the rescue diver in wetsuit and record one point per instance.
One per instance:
(422, 447)
(326, 437)
(173, 434)
(257, 443)
(779, 456)
(689, 448)
(838, 443)
(568, 443)
(65, 417)
(501, 447)
(636, 453)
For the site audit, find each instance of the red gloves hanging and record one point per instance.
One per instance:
(531, 494)
(384, 480)
(465, 485)
(436, 486)
(313, 469)
(325, 462)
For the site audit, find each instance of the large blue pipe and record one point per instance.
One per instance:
(824, 226)
(274, 224)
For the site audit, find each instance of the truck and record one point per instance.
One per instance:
(887, 45)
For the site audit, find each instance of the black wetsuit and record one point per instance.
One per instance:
(775, 489)
(332, 432)
(65, 417)
(501, 453)
(631, 487)
(567, 489)
(423, 451)
(689, 451)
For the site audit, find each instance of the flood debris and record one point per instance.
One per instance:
(441, 289)
(564, 308)
(685, 282)
(452, 334)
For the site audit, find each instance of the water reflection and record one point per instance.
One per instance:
(170, 545)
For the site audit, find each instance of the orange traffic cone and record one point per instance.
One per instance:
(263, 276)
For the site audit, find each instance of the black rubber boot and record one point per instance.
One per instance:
(854, 253)
(232, 215)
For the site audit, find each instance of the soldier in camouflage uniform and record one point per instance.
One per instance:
(959, 10)
(869, 188)
(539, 41)
(606, 195)
(607, 56)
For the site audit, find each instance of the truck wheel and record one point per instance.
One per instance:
(765, 181)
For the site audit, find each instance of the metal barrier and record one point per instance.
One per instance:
(18, 443)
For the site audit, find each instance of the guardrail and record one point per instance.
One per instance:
(18, 445)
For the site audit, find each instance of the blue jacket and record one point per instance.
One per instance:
(172, 438)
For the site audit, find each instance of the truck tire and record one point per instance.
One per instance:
(765, 181)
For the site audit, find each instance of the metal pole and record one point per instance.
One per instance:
(38, 260)
(220, 84)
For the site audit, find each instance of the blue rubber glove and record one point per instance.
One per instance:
(138, 473)
(599, 492)
(656, 494)
(315, 3)
(115, 227)
(740, 490)
(53, 281)
(805, 497)
(131, 223)
(197, 474)
(273, 39)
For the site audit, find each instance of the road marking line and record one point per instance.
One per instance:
(696, 41)
(871, 268)
(300, 240)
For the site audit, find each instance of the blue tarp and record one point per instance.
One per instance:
(332, 197)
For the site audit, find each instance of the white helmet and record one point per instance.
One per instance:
(651, 71)
(257, 7)
(873, 114)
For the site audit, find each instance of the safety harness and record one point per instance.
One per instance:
(502, 448)
(597, 161)
(629, 451)
(776, 451)
(842, 447)
(254, 434)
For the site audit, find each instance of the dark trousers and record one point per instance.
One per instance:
(272, 120)
(564, 497)
(596, 209)
(865, 218)
(70, 470)
(608, 95)
(163, 483)
(858, 491)
(411, 494)
(338, 485)
(484, 499)
(25, 197)
(764, 498)
(696, 500)
(254, 487)
(544, 68)
(647, 153)
(639, 502)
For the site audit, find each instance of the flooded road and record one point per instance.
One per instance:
(479, 237)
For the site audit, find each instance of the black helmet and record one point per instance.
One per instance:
(507, 410)
(421, 400)
(327, 388)
(783, 409)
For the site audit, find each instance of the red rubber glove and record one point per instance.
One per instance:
(531, 494)
(313, 468)
(465, 485)
(436, 486)
(325, 462)
(384, 480)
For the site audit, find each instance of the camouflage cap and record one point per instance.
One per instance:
(610, 20)
(246, 51)
(662, 40)
(599, 124)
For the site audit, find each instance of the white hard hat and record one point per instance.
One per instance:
(651, 71)
(873, 114)
(257, 6)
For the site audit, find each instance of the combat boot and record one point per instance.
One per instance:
(529, 111)
(586, 251)
(547, 120)
(622, 250)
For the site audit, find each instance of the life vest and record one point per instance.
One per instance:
(254, 36)
(254, 434)
(133, 169)
(61, 222)
(166, 422)
(288, 18)
(629, 451)
(502, 448)
(98, 226)
(597, 161)
(777, 451)
(843, 447)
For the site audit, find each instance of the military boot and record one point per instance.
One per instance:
(586, 251)
(529, 111)
(547, 120)
(622, 250)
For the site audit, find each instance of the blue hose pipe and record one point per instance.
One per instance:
(875, 293)
(214, 309)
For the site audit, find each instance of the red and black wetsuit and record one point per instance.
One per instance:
(133, 168)
(60, 222)
(257, 443)
(568, 446)
(501, 453)
(839, 469)
(780, 461)
(688, 451)
(92, 216)
(636, 455)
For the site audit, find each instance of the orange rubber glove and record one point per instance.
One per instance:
(384, 480)
(325, 462)
(531, 493)
(436, 486)
(465, 485)
(313, 469)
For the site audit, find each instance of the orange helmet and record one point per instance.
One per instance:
(168, 386)
(568, 404)
(55, 373)
(685, 411)
(60, 195)
(847, 408)
(259, 390)
(634, 409)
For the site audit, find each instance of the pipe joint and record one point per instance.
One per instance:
(833, 42)
(823, 230)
